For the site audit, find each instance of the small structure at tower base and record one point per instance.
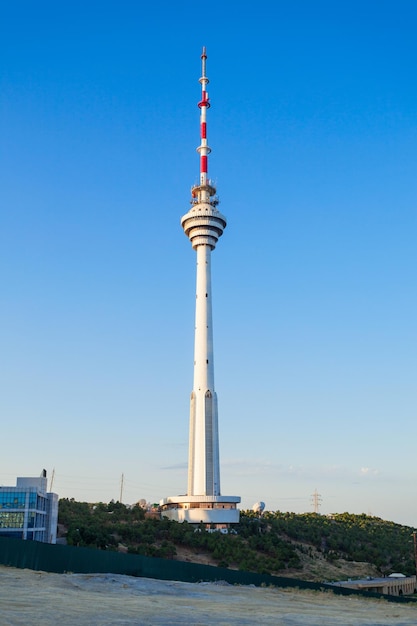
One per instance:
(215, 512)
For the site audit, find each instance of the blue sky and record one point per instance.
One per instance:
(314, 148)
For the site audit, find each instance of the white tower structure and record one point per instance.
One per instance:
(203, 225)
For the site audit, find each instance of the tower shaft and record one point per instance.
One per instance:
(203, 225)
(203, 462)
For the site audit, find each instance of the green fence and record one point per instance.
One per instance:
(60, 559)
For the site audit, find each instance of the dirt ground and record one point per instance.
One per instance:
(30, 598)
(316, 568)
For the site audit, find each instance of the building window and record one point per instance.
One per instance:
(11, 520)
(12, 500)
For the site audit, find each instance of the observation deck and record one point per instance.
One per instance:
(203, 224)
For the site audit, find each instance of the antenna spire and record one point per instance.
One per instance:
(203, 62)
(204, 104)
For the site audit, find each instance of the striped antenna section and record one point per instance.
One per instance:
(204, 104)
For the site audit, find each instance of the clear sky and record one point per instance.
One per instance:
(313, 130)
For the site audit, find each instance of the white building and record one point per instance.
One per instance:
(28, 512)
(203, 225)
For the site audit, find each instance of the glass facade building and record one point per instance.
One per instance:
(28, 511)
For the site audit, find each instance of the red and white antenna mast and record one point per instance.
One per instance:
(204, 191)
(204, 104)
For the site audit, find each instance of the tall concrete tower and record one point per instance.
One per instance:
(203, 225)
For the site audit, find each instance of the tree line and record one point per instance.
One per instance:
(272, 543)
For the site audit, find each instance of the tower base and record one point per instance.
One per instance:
(215, 512)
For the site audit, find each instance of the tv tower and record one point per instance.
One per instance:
(203, 225)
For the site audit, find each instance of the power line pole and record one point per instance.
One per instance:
(121, 488)
(316, 500)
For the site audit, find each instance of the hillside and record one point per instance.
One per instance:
(309, 546)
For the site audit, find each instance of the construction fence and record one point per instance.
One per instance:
(61, 559)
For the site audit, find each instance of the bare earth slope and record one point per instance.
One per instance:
(315, 568)
(36, 598)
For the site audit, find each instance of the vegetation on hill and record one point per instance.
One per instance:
(386, 545)
(277, 542)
